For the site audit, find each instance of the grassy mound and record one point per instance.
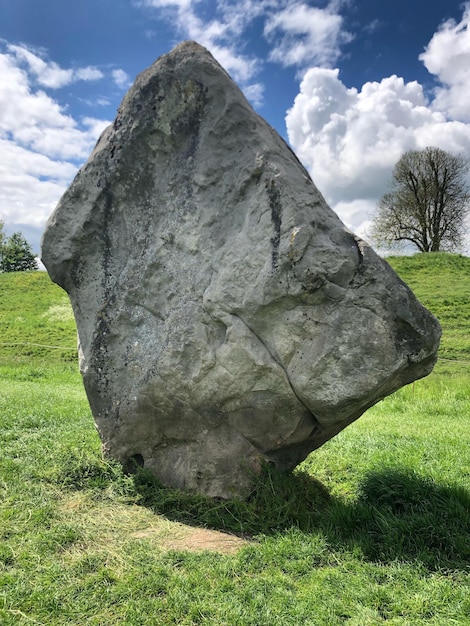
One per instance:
(441, 281)
(36, 320)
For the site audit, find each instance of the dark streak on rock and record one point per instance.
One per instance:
(276, 218)
(102, 332)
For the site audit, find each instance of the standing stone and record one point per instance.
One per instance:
(226, 317)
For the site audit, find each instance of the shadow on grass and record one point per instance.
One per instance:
(397, 515)
(402, 516)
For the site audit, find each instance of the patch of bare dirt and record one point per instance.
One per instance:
(199, 540)
(109, 526)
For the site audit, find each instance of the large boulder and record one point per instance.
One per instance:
(226, 317)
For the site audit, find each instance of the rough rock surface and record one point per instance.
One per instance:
(225, 315)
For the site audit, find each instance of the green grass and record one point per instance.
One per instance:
(442, 283)
(36, 320)
(373, 528)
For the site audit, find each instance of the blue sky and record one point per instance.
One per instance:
(350, 84)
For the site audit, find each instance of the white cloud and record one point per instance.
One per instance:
(50, 74)
(88, 73)
(357, 215)
(121, 78)
(35, 120)
(340, 133)
(18, 105)
(63, 142)
(220, 36)
(31, 184)
(255, 93)
(447, 56)
(94, 127)
(184, 5)
(47, 74)
(40, 144)
(350, 139)
(306, 35)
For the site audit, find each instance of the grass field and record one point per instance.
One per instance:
(373, 528)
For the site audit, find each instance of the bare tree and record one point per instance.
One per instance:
(428, 201)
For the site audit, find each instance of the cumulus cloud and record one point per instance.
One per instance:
(35, 120)
(31, 184)
(447, 56)
(40, 143)
(350, 138)
(306, 35)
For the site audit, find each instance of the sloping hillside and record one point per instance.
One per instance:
(441, 281)
(36, 319)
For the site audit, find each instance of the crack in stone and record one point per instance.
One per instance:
(266, 347)
(147, 308)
